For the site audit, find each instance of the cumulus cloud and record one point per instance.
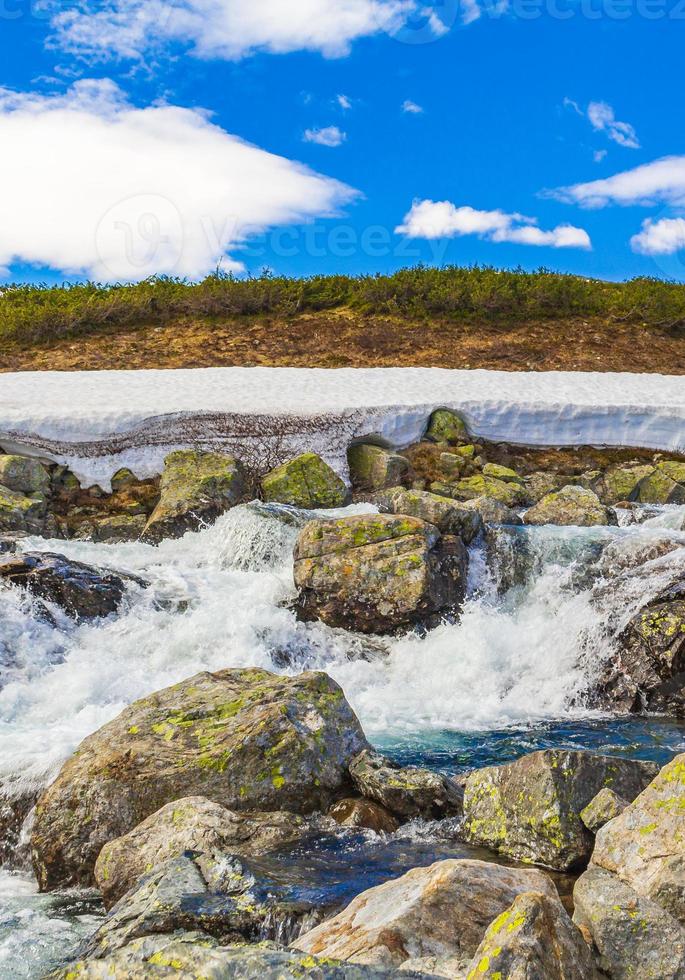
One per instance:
(411, 107)
(664, 237)
(660, 182)
(326, 136)
(95, 185)
(441, 219)
(229, 29)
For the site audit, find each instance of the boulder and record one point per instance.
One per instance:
(511, 494)
(23, 475)
(571, 506)
(541, 483)
(377, 573)
(306, 481)
(620, 483)
(441, 911)
(373, 468)
(363, 814)
(645, 845)
(604, 807)
(494, 512)
(246, 739)
(453, 465)
(664, 485)
(119, 528)
(534, 939)
(19, 512)
(635, 938)
(530, 809)
(195, 489)
(449, 516)
(498, 472)
(446, 426)
(81, 591)
(192, 823)
(407, 791)
(123, 478)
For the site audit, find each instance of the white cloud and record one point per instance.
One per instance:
(411, 107)
(229, 29)
(664, 237)
(660, 182)
(94, 185)
(344, 102)
(327, 136)
(599, 155)
(441, 219)
(603, 119)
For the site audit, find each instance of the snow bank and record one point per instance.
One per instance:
(98, 421)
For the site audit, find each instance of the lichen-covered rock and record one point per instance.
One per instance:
(223, 895)
(81, 591)
(119, 528)
(449, 516)
(378, 573)
(511, 494)
(573, 506)
(453, 465)
(446, 426)
(620, 483)
(534, 939)
(499, 472)
(363, 814)
(123, 478)
(605, 807)
(306, 481)
(19, 512)
(634, 937)
(192, 823)
(246, 739)
(374, 468)
(645, 845)
(530, 809)
(190, 954)
(406, 791)
(23, 475)
(541, 483)
(195, 488)
(440, 911)
(494, 512)
(664, 485)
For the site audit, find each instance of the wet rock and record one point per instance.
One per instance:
(510, 494)
(634, 937)
(120, 528)
(378, 573)
(406, 791)
(510, 558)
(449, 516)
(530, 809)
(605, 807)
(192, 823)
(364, 814)
(446, 426)
(195, 489)
(13, 812)
(222, 895)
(645, 844)
(494, 512)
(373, 468)
(631, 552)
(620, 483)
(19, 512)
(81, 591)
(23, 475)
(306, 481)
(534, 939)
(441, 911)
(574, 506)
(246, 739)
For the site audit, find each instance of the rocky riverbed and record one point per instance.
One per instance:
(425, 723)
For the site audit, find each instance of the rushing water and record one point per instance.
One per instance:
(543, 609)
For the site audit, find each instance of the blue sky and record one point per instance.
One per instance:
(381, 133)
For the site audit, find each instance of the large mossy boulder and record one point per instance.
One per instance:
(530, 809)
(440, 912)
(449, 516)
(664, 485)
(534, 939)
(23, 475)
(306, 481)
(378, 573)
(447, 426)
(195, 489)
(192, 823)
(407, 791)
(620, 483)
(510, 493)
(571, 506)
(374, 468)
(19, 512)
(81, 591)
(244, 738)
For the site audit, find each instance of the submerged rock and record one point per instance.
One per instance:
(373, 468)
(571, 506)
(441, 912)
(363, 814)
(447, 426)
(195, 488)
(377, 573)
(246, 739)
(83, 592)
(530, 809)
(407, 791)
(192, 823)
(306, 481)
(449, 516)
(534, 939)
